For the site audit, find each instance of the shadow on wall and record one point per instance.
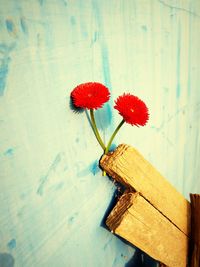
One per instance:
(103, 116)
(6, 260)
(140, 259)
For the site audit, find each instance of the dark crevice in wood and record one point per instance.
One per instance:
(195, 231)
(122, 206)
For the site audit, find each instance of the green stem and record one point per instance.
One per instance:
(96, 132)
(113, 136)
(110, 141)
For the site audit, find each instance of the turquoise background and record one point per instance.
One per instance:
(52, 195)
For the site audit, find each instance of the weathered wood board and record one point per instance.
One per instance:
(137, 221)
(195, 231)
(130, 168)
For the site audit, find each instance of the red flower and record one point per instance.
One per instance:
(91, 95)
(133, 110)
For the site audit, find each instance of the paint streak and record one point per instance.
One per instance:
(112, 147)
(104, 50)
(82, 21)
(4, 64)
(9, 152)
(104, 117)
(6, 260)
(44, 179)
(3, 74)
(12, 244)
(178, 86)
(11, 27)
(23, 26)
(41, 2)
(94, 167)
(106, 67)
(96, 37)
(65, 3)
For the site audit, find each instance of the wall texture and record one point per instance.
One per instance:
(52, 195)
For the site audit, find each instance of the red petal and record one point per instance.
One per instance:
(133, 110)
(91, 95)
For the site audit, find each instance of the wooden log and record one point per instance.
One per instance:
(128, 166)
(195, 231)
(136, 220)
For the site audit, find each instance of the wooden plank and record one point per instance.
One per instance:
(195, 231)
(128, 166)
(137, 221)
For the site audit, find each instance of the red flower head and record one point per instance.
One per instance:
(133, 110)
(91, 95)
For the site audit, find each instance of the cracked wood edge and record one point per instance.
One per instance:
(136, 220)
(127, 166)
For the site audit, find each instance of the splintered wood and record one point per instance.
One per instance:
(157, 217)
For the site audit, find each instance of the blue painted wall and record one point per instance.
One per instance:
(52, 195)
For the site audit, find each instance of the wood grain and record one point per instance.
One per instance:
(130, 168)
(137, 221)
